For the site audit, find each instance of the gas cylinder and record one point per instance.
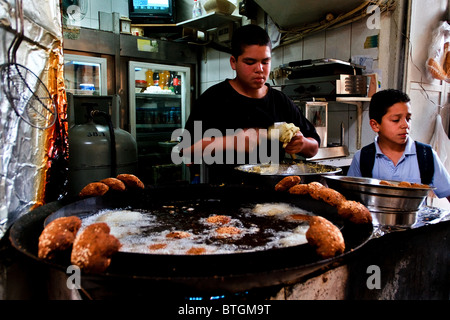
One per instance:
(90, 154)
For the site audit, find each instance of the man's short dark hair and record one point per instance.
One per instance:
(248, 35)
(383, 100)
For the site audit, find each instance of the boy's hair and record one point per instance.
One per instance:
(383, 100)
(248, 35)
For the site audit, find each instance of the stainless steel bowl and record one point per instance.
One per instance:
(391, 205)
(269, 175)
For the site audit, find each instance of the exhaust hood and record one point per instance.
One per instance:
(294, 13)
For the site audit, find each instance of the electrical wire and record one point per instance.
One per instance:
(295, 34)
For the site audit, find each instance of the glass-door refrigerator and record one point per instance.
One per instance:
(85, 75)
(159, 104)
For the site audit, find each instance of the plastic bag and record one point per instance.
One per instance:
(441, 143)
(438, 62)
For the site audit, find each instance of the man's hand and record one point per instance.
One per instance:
(308, 147)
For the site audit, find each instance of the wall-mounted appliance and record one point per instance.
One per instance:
(324, 80)
(151, 11)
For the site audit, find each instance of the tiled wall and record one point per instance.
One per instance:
(90, 18)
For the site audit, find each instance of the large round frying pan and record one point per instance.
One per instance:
(156, 275)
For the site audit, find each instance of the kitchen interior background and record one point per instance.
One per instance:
(398, 57)
(404, 36)
(429, 96)
(344, 43)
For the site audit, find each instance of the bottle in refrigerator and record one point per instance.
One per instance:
(172, 75)
(164, 79)
(156, 78)
(172, 115)
(177, 84)
(149, 77)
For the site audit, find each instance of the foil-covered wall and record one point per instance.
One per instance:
(27, 152)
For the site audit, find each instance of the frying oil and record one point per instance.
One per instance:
(261, 227)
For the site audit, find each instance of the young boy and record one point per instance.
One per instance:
(246, 102)
(394, 155)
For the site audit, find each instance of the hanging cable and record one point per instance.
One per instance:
(330, 22)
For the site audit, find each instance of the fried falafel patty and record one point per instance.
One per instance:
(93, 248)
(299, 189)
(114, 184)
(331, 196)
(94, 189)
(131, 181)
(178, 234)
(314, 189)
(355, 212)
(224, 232)
(287, 182)
(218, 219)
(58, 236)
(196, 251)
(325, 237)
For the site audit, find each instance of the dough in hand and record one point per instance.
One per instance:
(285, 133)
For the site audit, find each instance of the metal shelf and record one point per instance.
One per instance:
(157, 125)
(157, 96)
(209, 21)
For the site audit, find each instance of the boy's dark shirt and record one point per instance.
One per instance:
(221, 107)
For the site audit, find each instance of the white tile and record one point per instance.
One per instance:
(85, 23)
(203, 70)
(120, 6)
(277, 57)
(293, 52)
(95, 24)
(212, 66)
(314, 46)
(360, 33)
(97, 6)
(225, 71)
(338, 43)
(105, 21)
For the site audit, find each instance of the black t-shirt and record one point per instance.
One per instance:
(221, 107)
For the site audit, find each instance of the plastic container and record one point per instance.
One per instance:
(141, 84)
(87, 86)
(197, 10)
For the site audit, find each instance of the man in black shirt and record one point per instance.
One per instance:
(232, 117)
